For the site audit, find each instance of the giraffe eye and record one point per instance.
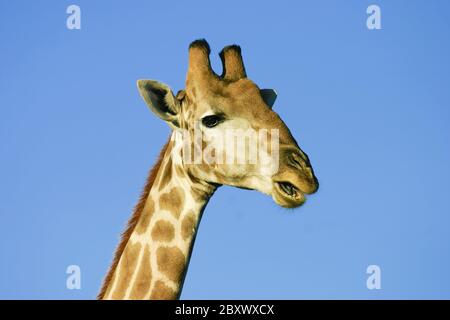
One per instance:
(211, 121)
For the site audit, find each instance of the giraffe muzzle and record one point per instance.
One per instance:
(295, 179)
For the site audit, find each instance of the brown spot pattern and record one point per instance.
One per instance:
(146, 216)
(171, 262)
(162, 292)
(172, 201)
(163, 231)
(126, 268)
(143, 278)
(188, 225)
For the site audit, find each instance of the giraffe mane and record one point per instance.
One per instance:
(132, 222)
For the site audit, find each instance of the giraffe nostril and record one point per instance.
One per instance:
(297, 160)
(304, 157)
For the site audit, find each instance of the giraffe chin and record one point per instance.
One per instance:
(287, 195)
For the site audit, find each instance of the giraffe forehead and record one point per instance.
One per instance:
(248, 110)
(228, 97)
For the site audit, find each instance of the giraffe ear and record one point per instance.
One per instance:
(269, 96)
(160, 100)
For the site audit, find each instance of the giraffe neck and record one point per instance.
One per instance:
(154, 261)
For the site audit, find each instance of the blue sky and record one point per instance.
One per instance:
(370, 107)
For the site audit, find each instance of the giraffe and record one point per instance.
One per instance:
(153, 255)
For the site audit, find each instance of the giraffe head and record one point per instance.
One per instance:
(213, 112)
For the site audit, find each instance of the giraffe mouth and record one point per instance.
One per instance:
(288, 195)
(288, 188)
